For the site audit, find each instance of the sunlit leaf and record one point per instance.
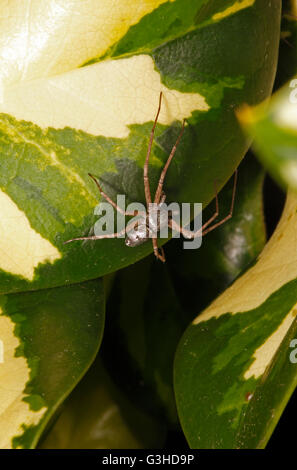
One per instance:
(275, 134)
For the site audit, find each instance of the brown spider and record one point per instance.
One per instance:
(148, 225)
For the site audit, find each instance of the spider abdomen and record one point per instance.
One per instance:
(148, 226)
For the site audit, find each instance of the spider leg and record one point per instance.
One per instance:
(164, 171)
(108, 235)
(204, 232)
(147, 190)
(215, 215)
(162, 258)
(189, 234)
(119, 209)
(98, 237)
(158, 255)
(178, 228)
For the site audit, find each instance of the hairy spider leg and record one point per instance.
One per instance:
(190, 235)
(158, 194)
(204, 232)
(157, 250)
(147, 190)
(109, 235)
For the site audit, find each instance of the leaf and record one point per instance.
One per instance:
(49, 340)
(79, 94)
(278, 384)
(273, 127)
(226, 251)
(143, 329)
(98, 416)
(287, 63)
(145, 323)
(275, 134)
(234, 355)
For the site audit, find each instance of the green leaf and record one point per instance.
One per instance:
(60, 120)
(235, 354)
(49, 340)
(277, 386)
(98, 416)
(287, 63)
(145, 323)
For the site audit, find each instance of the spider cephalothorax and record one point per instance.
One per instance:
(149, 223)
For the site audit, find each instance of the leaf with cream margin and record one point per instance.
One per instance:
(235, 355)
(49, 339)
(61, 120)
(98, 416)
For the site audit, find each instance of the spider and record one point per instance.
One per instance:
(148, 225)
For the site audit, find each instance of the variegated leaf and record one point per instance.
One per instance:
(236, 354)
(79, 87)
(48, 340)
